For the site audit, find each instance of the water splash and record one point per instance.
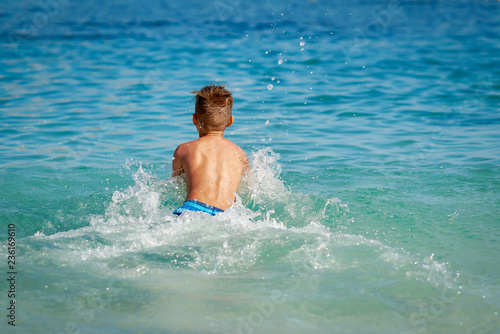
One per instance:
(269, 224)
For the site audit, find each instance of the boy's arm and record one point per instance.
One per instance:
(177, 163)
(246, 164)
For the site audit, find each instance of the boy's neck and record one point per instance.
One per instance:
(205, 133)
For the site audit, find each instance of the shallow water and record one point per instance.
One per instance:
(373, 132)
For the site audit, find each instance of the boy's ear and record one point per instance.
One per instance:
(231, 121)
(196, 121)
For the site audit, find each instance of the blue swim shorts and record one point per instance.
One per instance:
(192, 205)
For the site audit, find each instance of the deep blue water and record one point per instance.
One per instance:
(373, 132)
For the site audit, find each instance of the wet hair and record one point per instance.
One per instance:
(214, 107)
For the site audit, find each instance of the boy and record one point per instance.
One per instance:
(213, 165)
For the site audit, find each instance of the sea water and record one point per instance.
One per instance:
(371, 206)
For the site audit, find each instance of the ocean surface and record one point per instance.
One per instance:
(372, 204)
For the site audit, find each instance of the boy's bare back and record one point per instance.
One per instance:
(213, 165)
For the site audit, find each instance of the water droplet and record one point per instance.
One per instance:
(267, 122)
(280, 61)
(270, 86)
(302, 43)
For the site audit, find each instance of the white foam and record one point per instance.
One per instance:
(139, 233)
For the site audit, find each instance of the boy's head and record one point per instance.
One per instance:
(214, 107)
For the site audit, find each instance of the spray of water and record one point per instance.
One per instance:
(269, 224)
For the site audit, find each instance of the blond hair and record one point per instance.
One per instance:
(214, 107)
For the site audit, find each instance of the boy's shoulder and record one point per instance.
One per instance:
(201, 144)
(184, 148)
(234, 146)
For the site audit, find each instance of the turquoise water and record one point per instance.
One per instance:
(371, 207)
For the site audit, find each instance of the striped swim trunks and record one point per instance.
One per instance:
(193, 205)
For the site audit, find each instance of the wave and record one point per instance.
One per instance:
(269, 226)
